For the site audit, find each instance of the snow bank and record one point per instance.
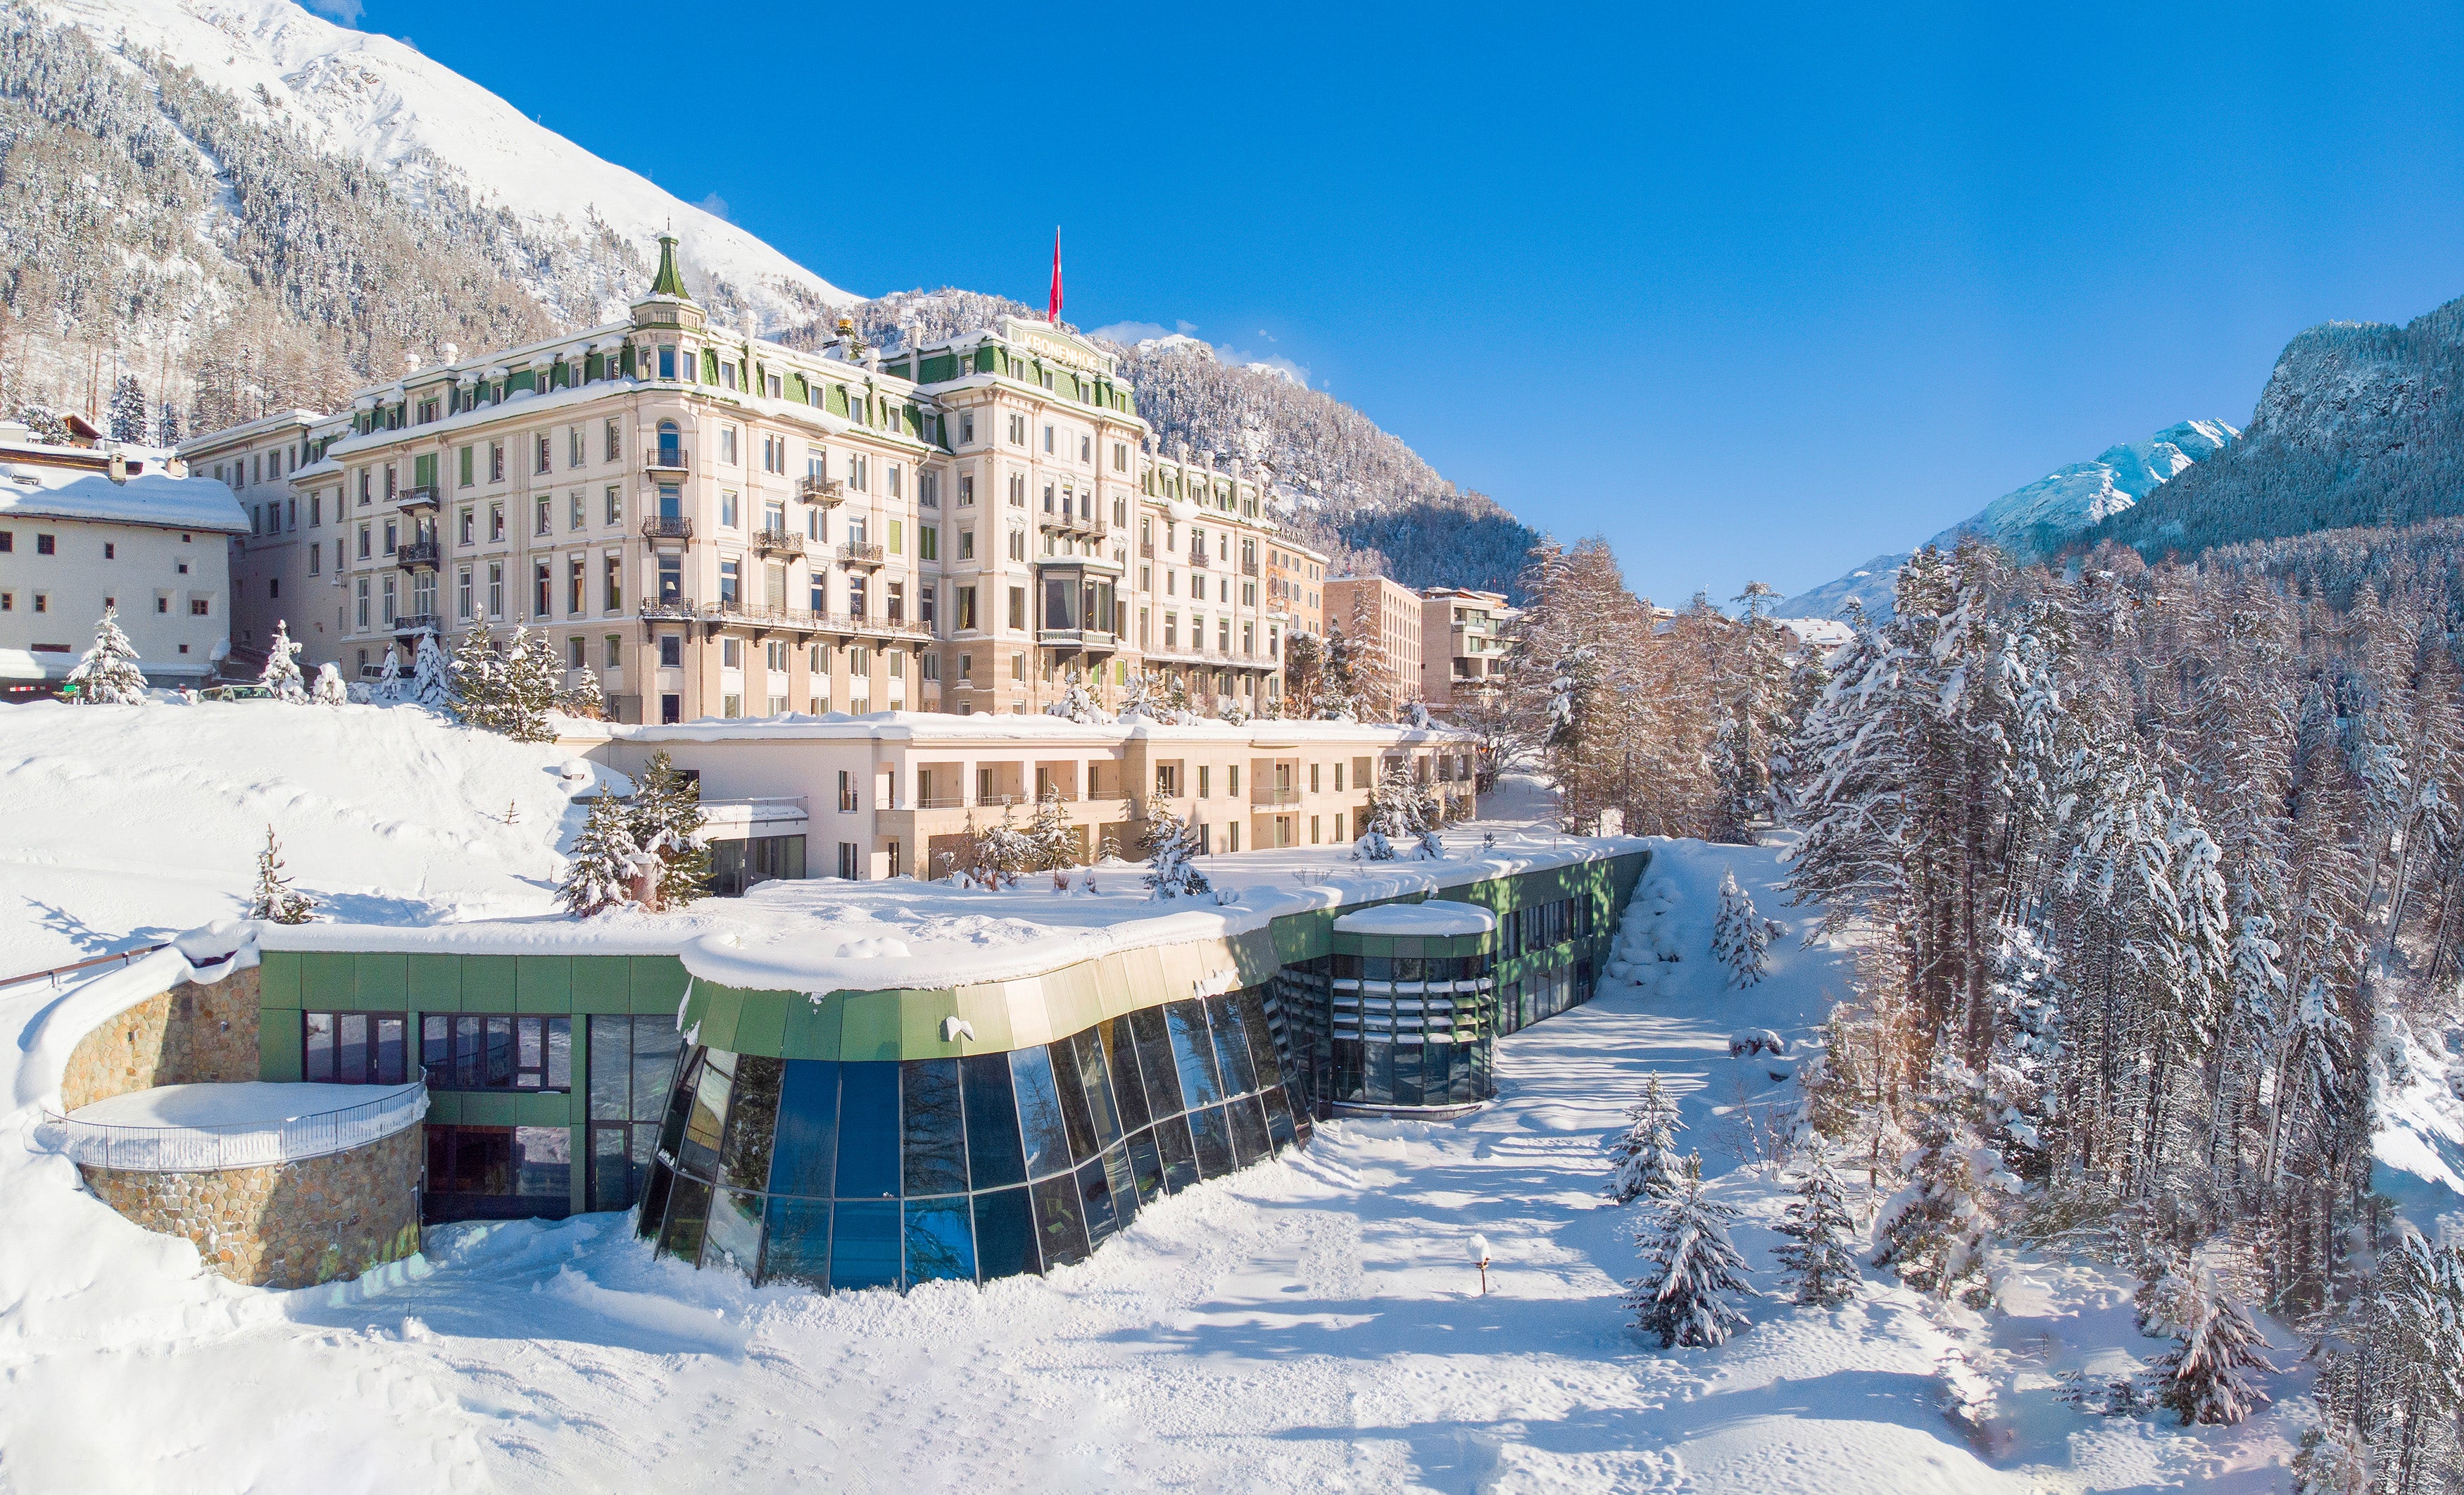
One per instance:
(1435, 916)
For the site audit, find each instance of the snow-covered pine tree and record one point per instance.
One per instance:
(1141, 699)
(431, 674)
(166, 426)
(665, 819)
(1304, 671)
(1052, 840)
(1643, 1160)
(1818, 1226)
(1937, 1231)
(599, 869)
(274, 900)
(1739, 940)
(108, 674)
(388, 687)
(1339, 688)
(1167, 847)
(2205, 1378)
(329, 688)
(530, 688)
(1375, 691)
(1691, 1268)
(1078, 703)
(127, 416)
(582, 698)
(2021, 1098)
(478, 679)
(1001, 852)
(1399, 812)
(281, 674)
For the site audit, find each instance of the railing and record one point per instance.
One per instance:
(828, 492)
(777, 542)
(1248, 569)
(683, 609)
(241, 1144)
(1146, 549)
(1274, 797)
(422, 495)
(941, 801)
(1198, 560)
(418, 553)
(856, 553)
(1110, 793)
(661, 526)
(419, 623)
(666, 459)
(54, 973)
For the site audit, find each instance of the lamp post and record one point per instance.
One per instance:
(1480, 1259)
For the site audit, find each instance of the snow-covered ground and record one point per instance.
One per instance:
(1313, 1323)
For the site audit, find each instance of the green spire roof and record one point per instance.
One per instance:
(671, 281)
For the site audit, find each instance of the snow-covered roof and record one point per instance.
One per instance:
(1436, 917)
(32, 487)
(990, 726)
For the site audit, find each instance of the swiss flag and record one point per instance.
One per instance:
(1053, 313)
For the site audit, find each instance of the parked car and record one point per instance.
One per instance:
(241, 692)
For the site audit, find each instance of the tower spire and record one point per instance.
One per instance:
(669, 280)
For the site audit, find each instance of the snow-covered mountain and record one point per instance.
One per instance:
(2036, 521)
(375, 100)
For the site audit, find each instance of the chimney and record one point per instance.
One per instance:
(120, 467)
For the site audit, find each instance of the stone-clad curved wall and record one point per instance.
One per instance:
(194, 1032)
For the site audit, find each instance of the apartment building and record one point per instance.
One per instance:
(82, 530)
(1394, 611)
(1296, 586)
(1463, 644)
(722, 526)
(867, 800)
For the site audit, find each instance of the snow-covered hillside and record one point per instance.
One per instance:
(128, 824)
(374, 98)
(2034, 522)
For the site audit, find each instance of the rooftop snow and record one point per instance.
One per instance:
(34, 489)
(1436, 917)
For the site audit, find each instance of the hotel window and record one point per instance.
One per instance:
(614, 447)
(727, 445)
(544, 463)
(496, 463)
(389, 614)
(1086, 450)
(1048, 440)
(354, 1048)
(731, 653)
(727, 511)
(967, 428)
(614, 582)
(672, 652)
(966, 544)
(1017, 430)
(576, 513)
(495, 521)
(1017, 545)
(615, 506)
(1018, 608)
(315, 554)
(667, 361)
(542, 588)
(573, 652)
(1120, 456)
(462, 594)
(966, 490)
(574, 589)
(928, 542)
(540, 517)
(360, 597)
(573, 445)
(496, 588)
(859, 474)
(928, 490)
(468, 525)
(365, 533)
(615, 657)
(492, 1051)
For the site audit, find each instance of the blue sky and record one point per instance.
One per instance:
(1756, 291)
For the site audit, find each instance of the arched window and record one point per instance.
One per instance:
(671, 444)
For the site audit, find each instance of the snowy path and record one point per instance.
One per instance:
(1312, 1324)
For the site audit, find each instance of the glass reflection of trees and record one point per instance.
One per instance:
(886, 1173)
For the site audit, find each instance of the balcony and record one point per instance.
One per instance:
(1091, 640)
(1274, 797)
(1248, 569)
(856, 553)
(682, 609)
(1146, 549)
(418, 623)
(671, 529)
(423, 496)
(670, 463)
(828, 492)
(777, 542)
(1197, 561)
(417, 554)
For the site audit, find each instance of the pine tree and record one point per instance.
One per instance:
(1691, 1268)
(1052, 840)
(1937, 1232)
(1817, 1255)
(1000, 852)
(1399, 811)
(329, 688)
(431, 674)
(166, 426)
(275, 901)
(530, 688)
(388, 687)
(2205, 1377)
(599, 871)
(1739, 939)
(1078, 703)
(478, 680)
(1167, 847)
(127, 416)
(108, 676)
(1643, 1158)
(281, 674)
(666, 818)
(582, 698)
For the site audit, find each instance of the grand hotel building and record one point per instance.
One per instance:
(722, 526)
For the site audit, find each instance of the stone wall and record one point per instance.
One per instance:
(194, 1032)
(294, 1225)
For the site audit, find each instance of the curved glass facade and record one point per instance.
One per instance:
(1410, 1032)
(884, 1173)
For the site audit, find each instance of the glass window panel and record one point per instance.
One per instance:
(612, 1068)
(544, 1162)
(1039, 1112)
(351, 1047)
(1004, 1233)
(806, 1160)
(1231, 1045)
(708, 1118)
(318, 1045)
(611, 1171)
(654, 1199)
(1146, 1167)
(1378, 1073)
(1155, 1067)
(1407, 1074)
(392, 1060)
(1348, 1082)
(1461, 1088)
(732, 1240)
(1073, 1099)
(1121, 1057)
(993, 1158)
(527, 1034)
(655, 1041)
(869, 1139)
(1095, 1189)
(1436, 1074)
(1193, 1050)
(1213, 1134)
(940, 1235)
(1123, 1183)
(1263, 1061)
(498, 1070)
(1097, 1077)
(752, 1120)
(1278, 1119)
(933, 1143)
(465, 1053)
(559, 1053)
(865, 1244)
(1250, 1142)
(1180, 1156)
(672, 1127)
(688, 1213)
(1059, 1226)
(1377, 968)
(796, 1247)
(436, 1051)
